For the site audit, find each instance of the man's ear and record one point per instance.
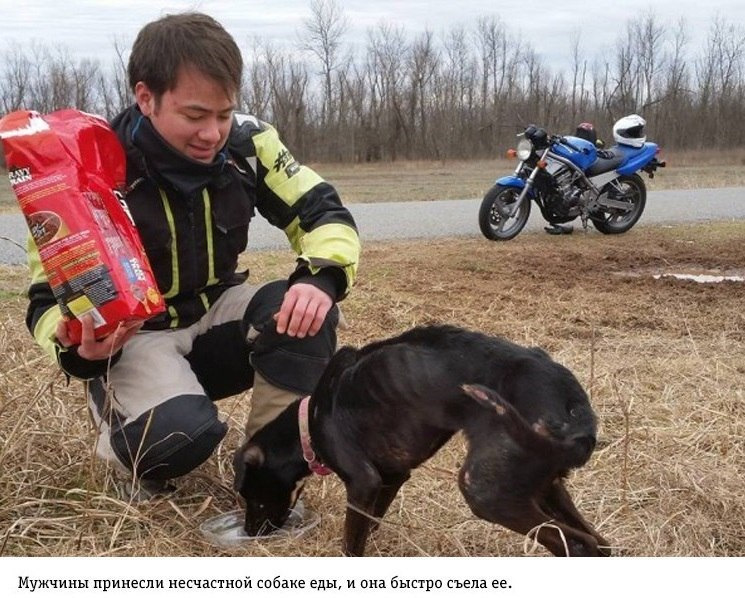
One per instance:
(145, 98)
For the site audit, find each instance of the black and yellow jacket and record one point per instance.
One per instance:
(193, 220)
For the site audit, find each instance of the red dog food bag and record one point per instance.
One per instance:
(67, 169)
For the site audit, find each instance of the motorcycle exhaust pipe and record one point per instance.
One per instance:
(606, 202)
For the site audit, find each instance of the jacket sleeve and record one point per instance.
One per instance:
(294, 198)
(43, 315)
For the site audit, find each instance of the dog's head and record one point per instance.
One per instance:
(268, 488)
(549, 396)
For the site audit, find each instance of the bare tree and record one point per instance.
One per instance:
(623, 97)
(323, 35)
(366, 146)
(458, 86)
(720, 81)
(14, 79)
(455, 95)
(289, 102)
(649, 38)
(675, 89)
(120, 80)
(387, 52)
(423, 63)
(676, 81)
(578, 107)
(256, 90)
(40, 88)
(490, 36)
(85, 75)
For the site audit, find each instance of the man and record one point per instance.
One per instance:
(195, 173)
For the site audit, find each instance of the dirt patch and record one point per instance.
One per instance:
(663, 360)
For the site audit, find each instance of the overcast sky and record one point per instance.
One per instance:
(88, 27)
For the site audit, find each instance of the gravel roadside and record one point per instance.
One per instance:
(447, 218)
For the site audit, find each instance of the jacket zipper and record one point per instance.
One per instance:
(193, 247)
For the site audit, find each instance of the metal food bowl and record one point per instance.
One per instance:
(227, 529)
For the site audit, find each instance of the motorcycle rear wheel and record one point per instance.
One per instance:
(630, 189)
(494, 222)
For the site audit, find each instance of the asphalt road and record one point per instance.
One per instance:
(449, 218)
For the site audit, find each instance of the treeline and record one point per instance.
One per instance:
(462, 93)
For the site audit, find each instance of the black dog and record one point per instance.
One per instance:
(381, 411)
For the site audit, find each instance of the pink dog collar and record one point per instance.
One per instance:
(308, 454)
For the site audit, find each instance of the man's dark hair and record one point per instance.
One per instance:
(184, 40)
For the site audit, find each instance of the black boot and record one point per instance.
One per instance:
(559, 229)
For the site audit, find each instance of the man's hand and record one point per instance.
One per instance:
(93, 349)
(303, 310)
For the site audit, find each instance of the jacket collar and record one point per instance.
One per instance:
(150, 155)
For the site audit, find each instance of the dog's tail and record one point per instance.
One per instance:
(566, 453)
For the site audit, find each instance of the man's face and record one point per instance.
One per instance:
(194, 117)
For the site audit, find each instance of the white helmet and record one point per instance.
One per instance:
(629, 130)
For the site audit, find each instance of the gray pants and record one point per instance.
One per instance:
(155, 412)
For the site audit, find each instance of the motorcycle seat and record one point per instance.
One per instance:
(607, 160)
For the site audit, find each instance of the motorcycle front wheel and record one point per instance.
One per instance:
(494, 220)
(629, 189)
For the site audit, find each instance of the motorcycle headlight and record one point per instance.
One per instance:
(524, 149)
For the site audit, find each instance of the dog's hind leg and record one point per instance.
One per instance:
(560, 505)
(499, 488)
(525, 517)
(362, 493)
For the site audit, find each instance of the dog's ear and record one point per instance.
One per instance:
(253, 456)
(249, 455)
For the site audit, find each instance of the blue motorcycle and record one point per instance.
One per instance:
(570, 177)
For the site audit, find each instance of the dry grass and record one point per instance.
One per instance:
(663, 360)
(428, 180)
